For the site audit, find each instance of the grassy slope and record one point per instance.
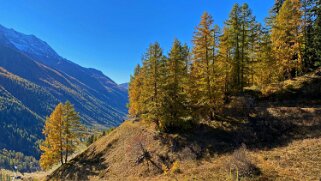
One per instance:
(115, 156)
(283, 141)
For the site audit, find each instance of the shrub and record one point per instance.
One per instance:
(241, 166)
(176, 125)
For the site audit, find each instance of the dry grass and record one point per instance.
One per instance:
(115, 158)
(284, 143)
(301, 160)
(306, 83)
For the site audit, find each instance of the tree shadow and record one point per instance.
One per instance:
(263, 129)
(82, 167)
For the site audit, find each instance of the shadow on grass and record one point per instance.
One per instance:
(81, 168)
(263, 131)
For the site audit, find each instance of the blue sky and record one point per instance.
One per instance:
(112, 35)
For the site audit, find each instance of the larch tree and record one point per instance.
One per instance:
(274, 12)
(233, 24)
(317, 34)
(194, 85)
(277, 6)
(63, 132)
(249, 41)
(308, 51)
(225, 57)
(135, 89)
(265, 65)
(72, 129)
(243, 40)
(174, 104)
(286, 39)
(153, 81)
(52, 146)
(203, 67)
(218, 70)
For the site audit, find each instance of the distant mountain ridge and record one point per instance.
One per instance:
(124, 85)
(34, 78)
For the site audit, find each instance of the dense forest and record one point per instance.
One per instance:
(12, 160)
(189, 85)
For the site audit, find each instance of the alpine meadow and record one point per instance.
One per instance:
(237, 98)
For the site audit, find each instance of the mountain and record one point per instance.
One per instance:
(34, 78)
(124, 86)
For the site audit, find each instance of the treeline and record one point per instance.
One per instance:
(186, 86)
(11, 160)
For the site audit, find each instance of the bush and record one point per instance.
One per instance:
(241, 166)
(239, 106)
(176, 125)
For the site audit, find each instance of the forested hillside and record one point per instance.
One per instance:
(34, 79)
(276, 137)
(195, 84)
(243, 103)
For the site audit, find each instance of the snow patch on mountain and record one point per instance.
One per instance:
(28, 44)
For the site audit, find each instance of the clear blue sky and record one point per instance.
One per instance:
(112, 35)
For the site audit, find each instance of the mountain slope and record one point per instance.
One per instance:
(136, 151)
(34, 78)
(282, 138)
(124, 85)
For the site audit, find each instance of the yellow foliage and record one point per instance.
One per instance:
(62, 132)
(286, 39)
(175, 167)
(165, 169)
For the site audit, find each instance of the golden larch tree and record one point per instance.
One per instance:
(286, 39)
(63, 132)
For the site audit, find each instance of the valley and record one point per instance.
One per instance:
(34, 78)
(196, 90)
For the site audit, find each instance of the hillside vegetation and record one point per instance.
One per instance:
(138, 152)
(243, 103)
(273, 141)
